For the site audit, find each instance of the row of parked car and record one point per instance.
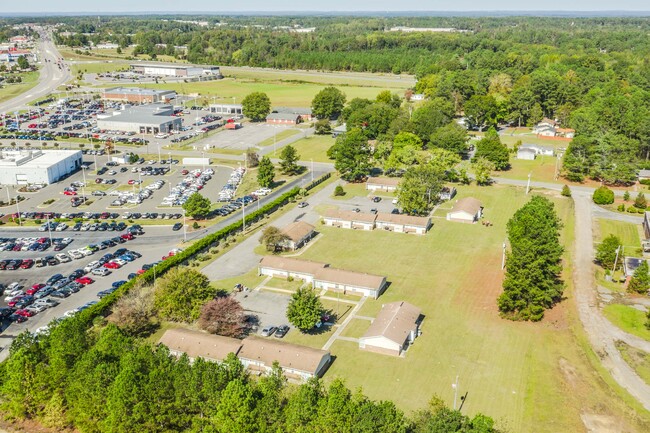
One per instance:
(193, 181)
(33, 244)
(228, 190)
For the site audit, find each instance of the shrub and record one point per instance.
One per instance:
(603, 195)
(631, 209)
(196, 225)
(626, 196)
(339, 191)
(640, 202)
(621, 208)
(566, 191)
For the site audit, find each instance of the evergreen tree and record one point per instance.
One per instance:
(607, 250)
(265, 172)
(288, 158)
(197, 206)
(533, 265)
(640, 282)
(640, 201)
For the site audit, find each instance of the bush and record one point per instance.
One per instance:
(640, 202)
(196, 225)
(626, 196)
(621, 208)
(566, 191)
(631, 209)
(603, 195)
(339, 191)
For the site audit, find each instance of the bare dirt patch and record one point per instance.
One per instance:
(595, 423)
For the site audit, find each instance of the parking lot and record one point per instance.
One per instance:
(243, 138)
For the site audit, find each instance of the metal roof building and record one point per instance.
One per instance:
(23, 167)
(144, 119)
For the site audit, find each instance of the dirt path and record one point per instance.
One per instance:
(601, 333)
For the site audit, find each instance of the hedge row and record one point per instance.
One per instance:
(202, 245)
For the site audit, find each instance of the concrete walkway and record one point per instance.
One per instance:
(341, 328)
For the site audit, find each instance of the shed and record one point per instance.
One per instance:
(393, 330)
(387, 184)
(349, 220)
(466, 210)
(447, 193)
(299, 233)
(526, 154)
(644, 174)
(403, 223)
(349, 282)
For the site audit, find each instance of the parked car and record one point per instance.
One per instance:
(281, 331)
(268, 331)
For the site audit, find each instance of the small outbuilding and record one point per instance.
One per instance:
(403, 223)
(298, 234)
(349, 220)
(466, 210)
(386, 184)
(393, 330)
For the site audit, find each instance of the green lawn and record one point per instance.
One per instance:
(356, 328)
(628, 233)
(510, 140)
(627, 318)
(99, 67)
(279, 136)
(315, 339)
(9, 91)
(541, 169)
(354, 190)
(454, 275)
(314, 147)
(637, 359)
(279, 283)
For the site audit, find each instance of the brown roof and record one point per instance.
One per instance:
(467, 204)
(297, 231)
(195, 344)
(288, 355)
(291, 265)
(387, 181)
(347, 215)
(550, 121)
(394, 322)
(352, 278)
(403, 219)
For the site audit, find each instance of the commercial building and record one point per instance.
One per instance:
(174, 70)
(23, 167)
(226, 109)
(144, 119)
(283, 119)
(304, 113)
(138, 95)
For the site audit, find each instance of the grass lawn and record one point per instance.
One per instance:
(627, 318)
(9, 91)
(510, 140)
(542, 169)
(356, 328)
(637, 359)
(628, 233)
(316, 339)
(279, 283)
(314, 147)
(99, 67)
(511, 370)
(250, 279)
(279, 136)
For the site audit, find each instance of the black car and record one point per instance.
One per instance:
(6, 312)
(135, 254)
(54, 278)
(131, 276)
(59, 294)
(25, 301)
(77, 273)
(51, 261)
(281, 331)
(17, 318)
(106, 292)
(177, 227)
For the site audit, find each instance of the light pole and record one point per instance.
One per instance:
(159, 158)
(83, 188)
(169, 160)
(312, 169)
(528, 184)
(243, 217)
(455, 386)
(20, 220)
(203, 160)
(49, 229)
(184, 228)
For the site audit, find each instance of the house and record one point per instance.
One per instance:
(299, 233)
(466, 210)
(304, 113)
(630, 264)
(339, 130)
(403, 223)
(256, 354)
(393, 330)
(297, 362)
(349, 220)
(447, 193)
(386, 184)
(530, 151)
(340, 280)
(285, 267)
(283, 119)
(197, 344)
(546, 128)
(417, 97)
(565, 132)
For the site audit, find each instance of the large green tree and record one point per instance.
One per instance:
(328, 103)
(181, 293)
(265, 172)
(430, 116)
(640, 281)
(533, 265)
(419, 189)
(607, 251)
(352, 155)
(452, 137)
(197, 206)
(256, 106)
(288, 158)
(305, 309)
(482, 112)
(491, 148)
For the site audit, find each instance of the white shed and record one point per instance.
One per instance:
(466, 210)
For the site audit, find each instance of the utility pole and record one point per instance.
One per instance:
(184, 228)
(503, 256)
(455, 386)
(616, 260)
(528, 184)
(312, 169)
(49, 229)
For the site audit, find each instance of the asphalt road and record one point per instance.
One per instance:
(51, 77)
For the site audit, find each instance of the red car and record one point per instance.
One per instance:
(69, 192)
(13, 301)
(112, 265)
(134, 182)
(127, 236)
(24, 313)
(35, 288)
(85, 280)
(26, 264)
(140, 271)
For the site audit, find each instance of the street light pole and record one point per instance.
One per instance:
(312, 169)
(184, 227)
(455, 386)
(83, 188)
(243, 217)
(20, 220)
(49, 229)
(528, 184)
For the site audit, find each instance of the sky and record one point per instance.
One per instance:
(217, 7)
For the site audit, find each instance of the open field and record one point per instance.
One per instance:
(629, 319)
(541, 169)
(638, 360)
(516, 372)
(280, 93)
(9, 91)
(99, 67)
(628, 233)
(510, 140)
(314, 147)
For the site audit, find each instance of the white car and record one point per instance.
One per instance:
(61, 227)
(102, 272)
(75, 254)
(90, 266)
(36, 308)
(13, 294)
(70, 313)
(63, 258)
(120, 262)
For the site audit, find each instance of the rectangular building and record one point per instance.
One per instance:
(387, 184)
(138, 95)
(226, 109)
(23, 167)
(357, 283)
(393, 330)
(349, 220)
(283, 119)
(145, 119)
(402, 223)
(175, 70)
(285, 267)
(304, 113)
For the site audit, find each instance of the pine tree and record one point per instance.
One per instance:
(288, 158)
(265, 172)
(640, 282)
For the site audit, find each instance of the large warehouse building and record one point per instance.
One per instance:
(138, 95)
(175, 70)
(143, 119)
(25, 167)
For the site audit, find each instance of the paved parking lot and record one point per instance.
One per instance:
(248, 136)
(269, 308)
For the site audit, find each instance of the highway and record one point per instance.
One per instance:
(51, 76)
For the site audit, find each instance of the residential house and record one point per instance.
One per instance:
(630, 264)
(447, 193)
(285, 267)
(297, 362)
(349, 220)
(530, 151)
(403, 223)
(298, 233)
(526, 154)
(386, 184)
(283, 119)
(340, 280)
(547, 128)
(393, 330)
(417, 97)
(197, 344)
(467, 210)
